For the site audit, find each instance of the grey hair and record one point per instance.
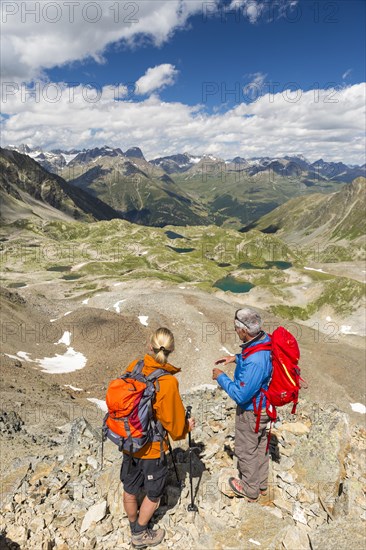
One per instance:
(248, 319)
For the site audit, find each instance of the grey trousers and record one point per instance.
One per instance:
(250, 449)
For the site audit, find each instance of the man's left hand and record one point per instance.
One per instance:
(216, 373)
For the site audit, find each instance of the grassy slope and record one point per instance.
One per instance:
(119, 250)
(238, 199)
(334, 224)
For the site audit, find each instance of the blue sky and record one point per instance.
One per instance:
(181, 65)
(314, 46)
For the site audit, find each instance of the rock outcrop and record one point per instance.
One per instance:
(316, 494)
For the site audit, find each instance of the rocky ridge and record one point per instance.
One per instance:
(316, 493)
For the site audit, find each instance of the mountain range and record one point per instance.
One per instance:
(28, 190)
(57, 159)
(185, 189)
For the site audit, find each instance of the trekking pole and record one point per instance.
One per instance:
(181, 483)
(191, 507)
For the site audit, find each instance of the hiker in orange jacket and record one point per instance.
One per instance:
(148, 468)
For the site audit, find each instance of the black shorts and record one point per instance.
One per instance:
(144, 473)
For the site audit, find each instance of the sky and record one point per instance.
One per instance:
(230, 78)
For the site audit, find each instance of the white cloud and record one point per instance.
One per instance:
(318, 123)
(156, 78)
(39, 35)
(346, 74)
(254, 88)
(262, 10)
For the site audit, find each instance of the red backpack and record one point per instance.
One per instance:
(285, 381)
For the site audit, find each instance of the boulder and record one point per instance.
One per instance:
(319, 457)
(12, 481)
(342, 533)
(296, 538)
(296, 428)
(94, 514)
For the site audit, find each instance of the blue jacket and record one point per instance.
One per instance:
(250, 376)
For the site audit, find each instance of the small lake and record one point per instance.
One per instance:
(224, 264)
(233, 285)
(173, 235)
(181, 250)
(269, 265)
(71, 277)
(17, 285)
(59, 268)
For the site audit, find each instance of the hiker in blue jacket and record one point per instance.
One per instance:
(251, 374)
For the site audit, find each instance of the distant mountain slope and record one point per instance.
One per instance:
(143, 192)
(334, 217)
(27, 189)
(57, 160)
(185, 189)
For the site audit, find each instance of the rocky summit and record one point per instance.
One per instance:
(316, 496)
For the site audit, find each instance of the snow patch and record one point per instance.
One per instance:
(254, 542)
(78, 266)
(99, 403)
(182, 287)
(65, 339)
(358, 408)
(200, 312)
(73, 387)
(68, 157)
(85, 301)
(347, 329)
(24, 355)
(143, 319)
(195, 160)
(118, 284)
(313, 269)
(328, 318)
(67, 313)
(116, 305)
(70, 361)
(226, 351)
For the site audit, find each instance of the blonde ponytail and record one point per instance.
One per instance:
(162, 343)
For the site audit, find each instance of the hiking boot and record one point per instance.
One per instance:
(237, 487)
(148, 538)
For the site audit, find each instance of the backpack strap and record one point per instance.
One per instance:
(156, 424)
(267, 346)
(258, 411)
(157, 374)
(137, 369)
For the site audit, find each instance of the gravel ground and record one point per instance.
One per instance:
(112, 329)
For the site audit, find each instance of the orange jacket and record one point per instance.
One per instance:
(168, 406)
